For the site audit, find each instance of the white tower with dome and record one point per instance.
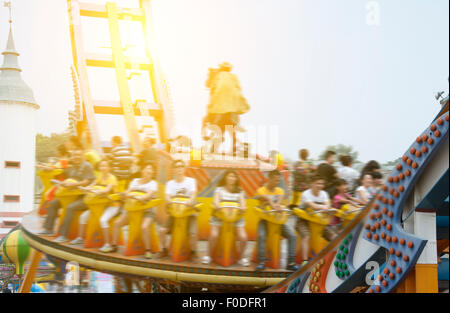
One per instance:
(17, 141)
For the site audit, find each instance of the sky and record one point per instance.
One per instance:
(354, 72)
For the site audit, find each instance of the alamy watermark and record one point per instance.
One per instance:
(231, 143)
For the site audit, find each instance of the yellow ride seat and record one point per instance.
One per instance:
(225, 252)
(97, 205)
(179, 249)
(273, 241)
(348, 212)
(317, 222)
(46, 177)
(296, 198)
(66, 196)
(136, 210)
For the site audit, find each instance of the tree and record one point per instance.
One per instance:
(46, 146)
(341, 149)
(390, 164)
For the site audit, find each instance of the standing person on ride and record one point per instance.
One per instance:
(315, 199)
(109, 181)
(121, 159)
(271, 195)
(83, 173)
(147, 185)
(302, 172)
(180, 186)
(229, 190)
(346, 172)
(327, 171)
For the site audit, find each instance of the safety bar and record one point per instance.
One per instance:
(282, 210)
(230, 207)
(324, 211)
(354, 210)
(180, 202)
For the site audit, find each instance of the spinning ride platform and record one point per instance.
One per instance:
(230, 278)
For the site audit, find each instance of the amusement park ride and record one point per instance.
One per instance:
(396, 233)
(125, 66)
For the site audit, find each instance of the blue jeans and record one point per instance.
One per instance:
(286, 231)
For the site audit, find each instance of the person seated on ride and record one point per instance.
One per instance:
(148, 155)
(271, 195)
(180, 186)
(302, 172)
(328, 172)
(316, 199)
(83, 173)
(370, 167)
(363, 192)
(347, 172)
(341, 198)
(109, 181)
(229, 190)
(62, 163)
(91, 156)
(149, 186)
(121, 158)
(377, 183)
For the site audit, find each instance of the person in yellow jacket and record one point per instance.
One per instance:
(226, 99)
(225, 92)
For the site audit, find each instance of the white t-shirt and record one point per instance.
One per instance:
(147, 188)
(372, 191)
(308, 196)
(224, 195)
(350, 175)
(185, 188)
(364, 191)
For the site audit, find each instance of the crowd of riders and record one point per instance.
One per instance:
(319, 188)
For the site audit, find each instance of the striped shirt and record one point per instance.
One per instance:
(122, 161)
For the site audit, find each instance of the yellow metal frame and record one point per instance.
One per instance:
(120, 63)
(25, 287)
(121, 75)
